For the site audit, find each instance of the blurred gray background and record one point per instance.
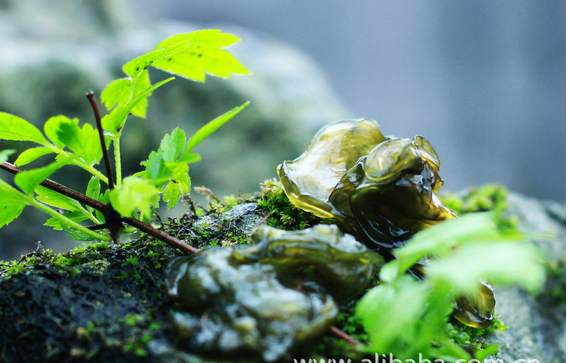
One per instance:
(483, 81)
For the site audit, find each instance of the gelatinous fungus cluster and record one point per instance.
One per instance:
(270, 297)
(381, 189)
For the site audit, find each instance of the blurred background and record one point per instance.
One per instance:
(483, 81)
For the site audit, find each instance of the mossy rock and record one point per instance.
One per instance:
(105, 302)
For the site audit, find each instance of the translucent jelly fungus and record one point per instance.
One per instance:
(270, 297)
(380, 188)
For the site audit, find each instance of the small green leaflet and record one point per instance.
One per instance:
(118, 93)
(30, 155)
(58, 200)
(114, 121)
(93, 190)
(29, 180)
(15, 128)
(210, 127)
(84, 142)
(164, 167)
(134, 193)
(12, 202)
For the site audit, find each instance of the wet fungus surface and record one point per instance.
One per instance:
(381, 189)
(270, 297)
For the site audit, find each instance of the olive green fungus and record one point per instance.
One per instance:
(268, 298)
(381, 189)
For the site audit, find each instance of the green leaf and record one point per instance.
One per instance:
(138, 65)
(118, 93)
(134, 193)
(210, 127)
(188, 158)
(114, 121)
(12, 203)
(171, 145)
(51, 128)
(15, 128)
(441, 238)
(93, 190)
(177, 186)
(169, 150)
(77, 235)
(57, 200)
(30, 179)
(389, 312)
(30, 155)
(56, 223)
(5, 153)
(201, 54)
(503, 264)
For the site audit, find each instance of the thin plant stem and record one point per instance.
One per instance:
(345, 336)
(117, 149)
(91, 97)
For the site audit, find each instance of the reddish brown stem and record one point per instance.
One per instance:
(103, 207)
(342, 335)
(91, 97)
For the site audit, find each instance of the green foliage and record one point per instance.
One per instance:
(405, 316)
(191, 56)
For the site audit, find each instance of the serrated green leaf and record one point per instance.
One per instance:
(29, 180)
(15, 128)
(211, 37)
(134, 193)
(172, 144)
(12, 203)
(168, 152)
(30, 155)
(51, 127)
(116, 93)
(57, 200)
(83, 142)
(210, 127)
(5, 153)
(201, 55)
(114, 121)
(69, 133)
(140, 64)
(177, 186)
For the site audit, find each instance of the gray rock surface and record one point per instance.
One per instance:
(537, 327)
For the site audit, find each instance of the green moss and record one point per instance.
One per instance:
(489, 197)
(280, 211)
